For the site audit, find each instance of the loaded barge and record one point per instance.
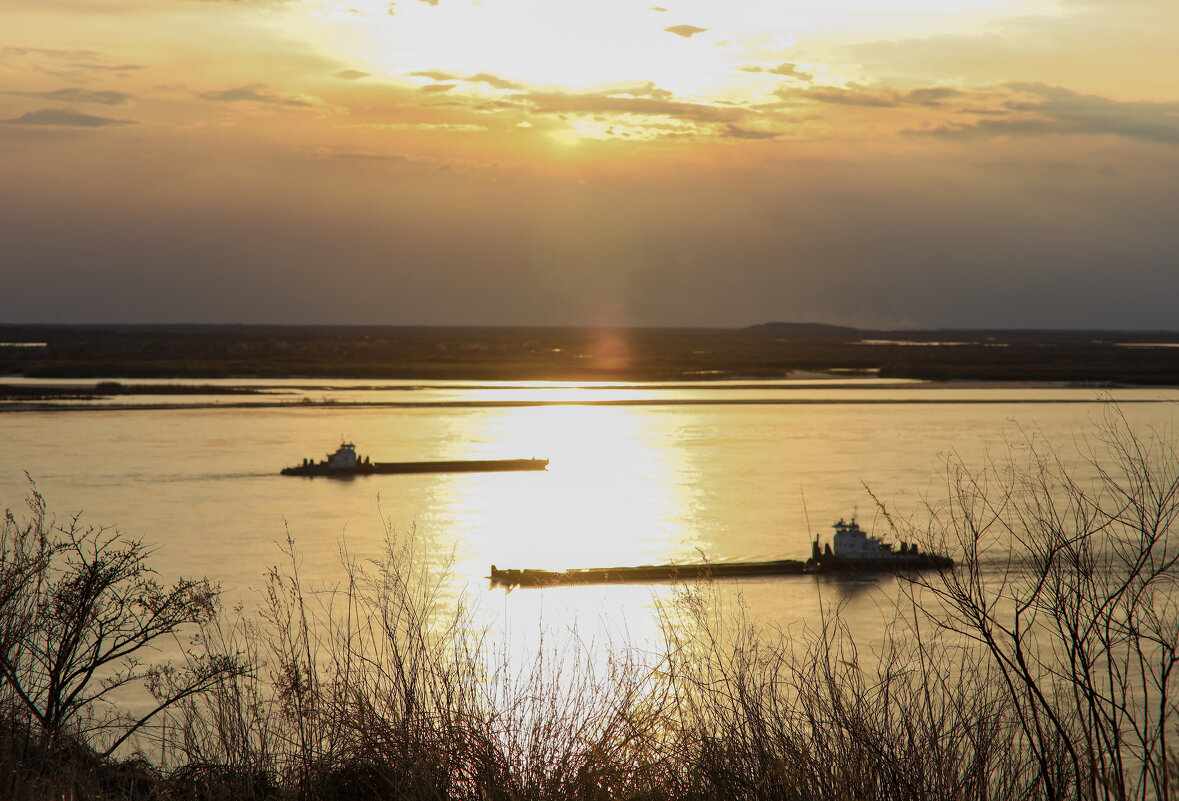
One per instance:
(345, 462)
(644, 574)
(851, 551)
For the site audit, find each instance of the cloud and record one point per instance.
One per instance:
(641, 89)
(609, 103)
(433, 75)
(436, 88)
(442, 76)
(65, 118)
(1094, 41)
(854, 95)
(70, 64)
(96, 67)
(735, 132)
(1092, 114)
(393, 158)
(451, 127)
(1041, 110)
(1019, 109)
(686, 31)
(932, 96)
(786, 69)
(254, 93)
(791, 71)
(79, 95)
(873, 97)
(493, 81)
(352, 75)
(989, 129)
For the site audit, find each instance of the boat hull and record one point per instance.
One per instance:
(381, 468)
(644, 574)
(897, 564)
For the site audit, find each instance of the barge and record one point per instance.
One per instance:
(645, 574)
(345, 463)
(852, 551)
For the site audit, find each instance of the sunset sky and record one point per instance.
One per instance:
(910, 163)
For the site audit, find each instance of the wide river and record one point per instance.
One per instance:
(638, 474)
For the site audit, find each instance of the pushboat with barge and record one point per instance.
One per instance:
(852, 550)
(345, 462)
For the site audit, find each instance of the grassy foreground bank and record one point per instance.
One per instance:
(1042, 667)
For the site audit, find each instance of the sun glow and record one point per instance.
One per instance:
(611, 494)
(690, 49)
(623, 72)
(527, 41)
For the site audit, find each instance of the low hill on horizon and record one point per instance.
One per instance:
(819, 330)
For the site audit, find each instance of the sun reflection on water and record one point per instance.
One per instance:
(614, 492)
(557, 392)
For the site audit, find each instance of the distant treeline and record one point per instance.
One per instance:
(771, 350)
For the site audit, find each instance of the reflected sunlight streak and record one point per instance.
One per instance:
(613, 495)
(610, 496)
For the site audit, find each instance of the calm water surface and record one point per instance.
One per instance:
(638, 474)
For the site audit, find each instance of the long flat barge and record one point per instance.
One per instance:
(854, 553)
(644, 574)
(374, 468)
(345, 463)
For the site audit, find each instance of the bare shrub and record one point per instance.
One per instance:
(80, 609)
(1067, 584)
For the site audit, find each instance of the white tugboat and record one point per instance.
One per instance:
(854, 548)
(344, 462)
(344, 458)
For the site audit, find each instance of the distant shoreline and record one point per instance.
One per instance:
(764, 352)
(48, 406)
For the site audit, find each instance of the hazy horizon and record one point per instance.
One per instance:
(184, 324)
(982, 164)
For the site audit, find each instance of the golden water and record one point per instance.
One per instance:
(727, 471)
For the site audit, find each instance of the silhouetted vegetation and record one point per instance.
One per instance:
(1070, 588)
(80, 609)
(422, 353)
(1043, 667)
